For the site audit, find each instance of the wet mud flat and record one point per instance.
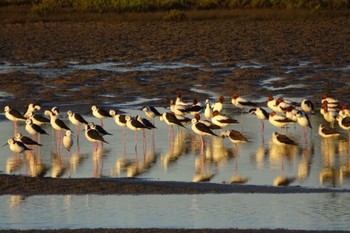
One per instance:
(222, 55)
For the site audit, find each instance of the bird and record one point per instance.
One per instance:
(178, 109)
(282, 139)
(201, 129)
(92, 135)
(171, 119)
(26, 140)
(178, 101)
(344, 111)
(208, 111)
(271, 103)
(261, 114)
(279, 121)
(120, 120)
(31, 108)
(34, 129)
(344, 123)
(100, 113)
(16, 146)
(68, 140)
(99, 129)
(307, 106)
(133, 124)
(145, 122)
(55, 111)
(195, 108)
(282, 105)
(219, 104)
(151, 112)
(304, 121)
(331, 102)
(38, 119)
(56, 124)
(329, 115)
(234, 136)
(76, 119)
(14, 116)
(327, 132)
(241, 102)
(222, 120)
(208, 123)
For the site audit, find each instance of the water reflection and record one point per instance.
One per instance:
(323, 211)
(313, 162)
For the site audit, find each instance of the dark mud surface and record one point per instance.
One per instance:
(221, 47)
(322, 41)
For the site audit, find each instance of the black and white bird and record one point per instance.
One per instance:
(282, 139)
(241, 102)
(26, 140)
(222, 120)
(100, 113)
(34, 129)
(92, 135)
(38, 119)
(151, 112)
(57, 124)
(145, 122)
(16, 146)
(31, 108)
(201, 129)
(261, 114)
(14, 116)
(307, 106)
(327, 132)
(170, 119)
(99, 129)
(76, 119)
(234, 136)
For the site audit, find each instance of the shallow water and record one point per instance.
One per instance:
(314, 163)
(292, 211)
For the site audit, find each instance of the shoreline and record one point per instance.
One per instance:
(29, 186)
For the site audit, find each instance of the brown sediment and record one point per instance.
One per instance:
(225, 43)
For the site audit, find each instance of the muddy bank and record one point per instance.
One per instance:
(223, 52)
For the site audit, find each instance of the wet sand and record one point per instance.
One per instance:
(320, 39)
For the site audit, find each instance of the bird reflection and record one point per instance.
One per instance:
(138, 168)
(16, 200)
(203, 172)
(278, 153)
(75, 160)
(178, 147)
(329, 174)
(260, 155)
(305, 163)
(35, 166)
(58, 168)
(13, 164)
(217, 152)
